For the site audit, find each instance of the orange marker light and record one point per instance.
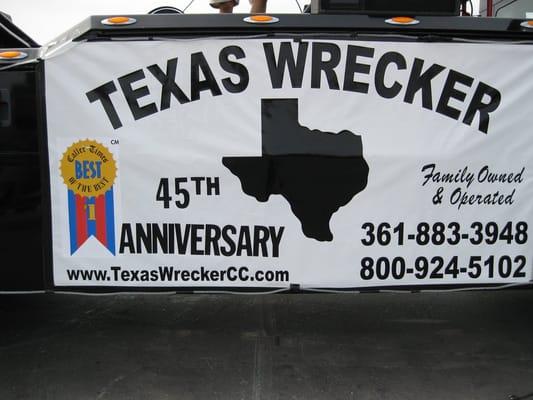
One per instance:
(12, 55)
(261, 19)
(402, 21)
(118, 21)
(527, 24)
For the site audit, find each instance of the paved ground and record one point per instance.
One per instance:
(374, 346)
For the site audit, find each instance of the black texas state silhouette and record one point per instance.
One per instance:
(316, 172)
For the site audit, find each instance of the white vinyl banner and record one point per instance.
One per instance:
(325, 163)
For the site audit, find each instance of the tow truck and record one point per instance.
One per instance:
(360, 146)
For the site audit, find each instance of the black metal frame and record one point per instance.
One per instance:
(376, 7)
(12, 36)
(182, 26)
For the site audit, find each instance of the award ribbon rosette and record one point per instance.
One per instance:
(89, 171)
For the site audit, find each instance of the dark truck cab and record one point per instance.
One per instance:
(21, 211)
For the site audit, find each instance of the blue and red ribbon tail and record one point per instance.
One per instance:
(91, 216)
